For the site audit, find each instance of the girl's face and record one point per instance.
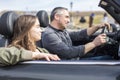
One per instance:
(35, 31)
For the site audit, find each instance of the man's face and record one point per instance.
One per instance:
(63, 19)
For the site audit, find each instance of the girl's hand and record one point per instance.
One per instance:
(48, 57)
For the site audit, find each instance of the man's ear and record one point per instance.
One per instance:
(57, 16)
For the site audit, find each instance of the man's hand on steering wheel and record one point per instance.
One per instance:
(104, 25)
(100, 39)
(107, 27)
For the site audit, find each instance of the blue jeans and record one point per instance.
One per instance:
(105, 57)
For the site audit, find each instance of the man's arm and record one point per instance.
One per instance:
(78, 35)
(55, 45)
(99, 40)
(93, 29)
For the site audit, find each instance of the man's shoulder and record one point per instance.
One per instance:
(48, 30)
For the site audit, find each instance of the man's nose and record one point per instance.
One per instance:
(68, 21)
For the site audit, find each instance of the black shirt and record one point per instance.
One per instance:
(60, 42)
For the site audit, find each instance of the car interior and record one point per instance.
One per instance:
(8, 18)
(65, 70)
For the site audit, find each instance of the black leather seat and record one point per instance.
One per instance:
(43, 18)
(7, 21)
(44, 22)
(6, 27)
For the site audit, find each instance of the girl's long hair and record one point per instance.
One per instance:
(21, 36)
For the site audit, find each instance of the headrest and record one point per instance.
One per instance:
(43, 18)
(6, 23)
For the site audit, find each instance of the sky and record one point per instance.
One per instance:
(48, 5)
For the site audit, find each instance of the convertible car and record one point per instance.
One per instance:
(66, 69)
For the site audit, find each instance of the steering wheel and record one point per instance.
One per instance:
(108, 39)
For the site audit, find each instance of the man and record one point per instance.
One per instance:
(57, 40)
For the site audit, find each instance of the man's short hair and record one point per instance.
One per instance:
(56, 10)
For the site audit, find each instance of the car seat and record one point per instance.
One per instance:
(6, 27)
(7, 21)
(43, 18)
(44, 22)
